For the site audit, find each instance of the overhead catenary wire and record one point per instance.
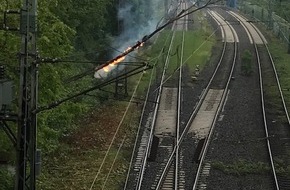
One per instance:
(147, 37)
(114, 161)
(119, 51)
(141, 100)
(115, 134)
(177, 69)
(141, 120)
(84, 92)
(133, 48)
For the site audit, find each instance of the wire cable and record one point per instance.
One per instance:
(84, 92)
(114, 161)
(116, 132)
(136, 46)
(147, 37)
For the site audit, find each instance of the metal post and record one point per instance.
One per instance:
(270, 14)
(121, 86)
(289, 43)
(26, 139)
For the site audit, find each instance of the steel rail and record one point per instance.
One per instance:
(154, 116)
(179, 110)
(192, 116)
(264, 116)
(174, 27)
(178, 113)
(142, 115)
(278, 85)
(115, 134)
(276, 76)
(262, 102)
(220, 106)
(280, 93)
(139, 127)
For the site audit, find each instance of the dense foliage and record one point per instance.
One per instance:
(280, 7)
(78, 31)
(71, 30)
(67, 29)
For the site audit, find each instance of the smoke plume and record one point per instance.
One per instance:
(136, 19)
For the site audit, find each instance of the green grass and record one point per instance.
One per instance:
(6, 179)
(241, 167)
(75, 164)
(281, 59)
(73, 168)
(72, 171)
(197, 50)
(282, 165)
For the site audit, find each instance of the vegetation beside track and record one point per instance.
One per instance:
(247, 63)
(241, 167)
(196, 49)
(79, 156)
(281, 60)
(244, 167)
(81, 153)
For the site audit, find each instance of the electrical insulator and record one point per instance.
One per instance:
(2, 72)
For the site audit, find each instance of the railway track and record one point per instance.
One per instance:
(219, 90)
(276, 129)
(172, 95)
(168, 101)
(212, 94)
(145, 136)
(277, 124)
(169, 171)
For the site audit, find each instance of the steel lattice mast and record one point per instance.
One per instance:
(26, 139)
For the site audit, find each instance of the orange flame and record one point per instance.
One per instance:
(128, 49)
(141, 45)
(108, 67)
(115, 62)
(118, 60)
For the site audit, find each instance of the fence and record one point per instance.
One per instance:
(279, 26)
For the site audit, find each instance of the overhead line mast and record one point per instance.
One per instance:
(27, 122)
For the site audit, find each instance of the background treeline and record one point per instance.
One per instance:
(70, 30)
(280, 7)
(74, 31)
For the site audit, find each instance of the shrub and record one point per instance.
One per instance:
(246, 67)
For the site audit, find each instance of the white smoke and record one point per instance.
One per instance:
(136, 21)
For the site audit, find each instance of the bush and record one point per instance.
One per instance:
(6, 179)
(246, 67)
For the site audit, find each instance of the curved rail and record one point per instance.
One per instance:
(176, 184)
(154, 117)
(262, 101)
(200, 166)
(139, 128)
(138, 135)
(280, 185)
(276, 76)
(192, 116)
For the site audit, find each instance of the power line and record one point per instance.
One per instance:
(84, 92)
(146, 38)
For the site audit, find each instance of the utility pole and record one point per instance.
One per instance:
(121, 86)
(288, 43)
(27, 122)
(270, 13)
